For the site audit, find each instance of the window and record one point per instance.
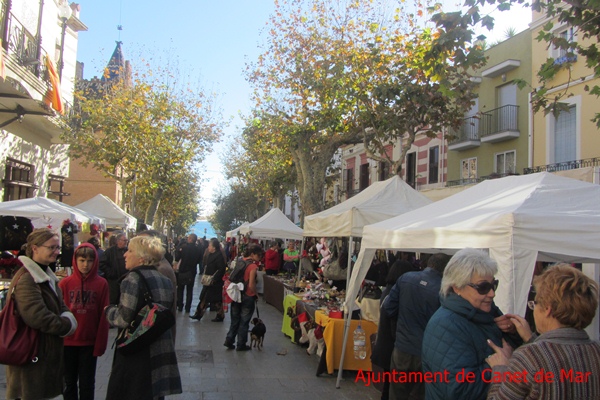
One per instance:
(18, 180)
(349, 181)
(434, 162)
(383, 171)
(565, 139)
(56, 185)
(411, 169)
(562, 55)
(468, 170)
(364, 177)
(505, 163)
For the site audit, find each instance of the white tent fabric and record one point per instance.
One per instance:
(380, 201)
(45, 212)
(518, 219)
(234, 232)
(113, 214)
(273, 224)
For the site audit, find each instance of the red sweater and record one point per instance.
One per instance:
(272, 260)
(86, 298)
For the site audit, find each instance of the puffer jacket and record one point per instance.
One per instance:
(455, 340)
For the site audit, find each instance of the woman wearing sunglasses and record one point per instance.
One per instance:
(565, 304)
(455, 340)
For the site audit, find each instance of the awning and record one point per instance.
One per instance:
(21, 115)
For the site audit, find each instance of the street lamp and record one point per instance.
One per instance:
(64, 13)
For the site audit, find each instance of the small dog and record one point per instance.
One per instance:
(257, 334)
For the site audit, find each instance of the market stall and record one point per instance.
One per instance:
(272, 225)
(114, 216)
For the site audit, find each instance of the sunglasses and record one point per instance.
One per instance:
(484, 287)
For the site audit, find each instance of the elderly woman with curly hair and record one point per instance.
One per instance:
(152, 372)
(565, 303)
(455, 339)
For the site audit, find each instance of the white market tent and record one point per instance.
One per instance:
(518, 219)
(234, 232)
(378, 202)
(47, 212)
(273, 224)
(113, 214)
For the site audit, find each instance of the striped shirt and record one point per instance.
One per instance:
(560, 364)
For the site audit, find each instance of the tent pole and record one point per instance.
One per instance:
(299, 259)
(347, 313)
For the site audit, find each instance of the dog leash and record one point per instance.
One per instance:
(257, 313)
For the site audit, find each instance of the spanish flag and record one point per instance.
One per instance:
(53, 97)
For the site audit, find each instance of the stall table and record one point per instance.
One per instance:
(334, 338)
(275, 291)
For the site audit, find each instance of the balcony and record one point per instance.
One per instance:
(503, 124)
(467, 137)
(564, 166)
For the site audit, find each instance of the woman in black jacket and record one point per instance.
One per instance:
(214, 265)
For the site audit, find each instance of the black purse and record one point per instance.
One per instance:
(150, 323)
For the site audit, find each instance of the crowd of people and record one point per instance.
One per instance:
(437, 317)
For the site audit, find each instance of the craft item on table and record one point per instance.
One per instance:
(14, 232)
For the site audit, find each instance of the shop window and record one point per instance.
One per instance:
(18, 180)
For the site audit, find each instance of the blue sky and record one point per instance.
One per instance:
(213, 39)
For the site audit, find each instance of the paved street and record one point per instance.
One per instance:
(210, 371)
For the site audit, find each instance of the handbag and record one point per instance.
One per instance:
(18, 341)
(333, 271)
(149, 324)
(207, 280)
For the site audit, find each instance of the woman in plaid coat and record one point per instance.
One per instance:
(151, 373)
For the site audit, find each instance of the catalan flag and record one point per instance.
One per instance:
(53, 97)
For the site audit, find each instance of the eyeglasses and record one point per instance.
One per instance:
(52, 248)
(484, 287)
(531, 304)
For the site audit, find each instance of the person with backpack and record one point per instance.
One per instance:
(241, 313)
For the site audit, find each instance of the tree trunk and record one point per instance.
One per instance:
(153, 206)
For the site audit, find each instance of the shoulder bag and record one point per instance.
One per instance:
(207, 280)
(149, 324)
(18, 341)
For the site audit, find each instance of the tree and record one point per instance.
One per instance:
(144, 134)
(348, 72)
(583, 16)
(234, 206)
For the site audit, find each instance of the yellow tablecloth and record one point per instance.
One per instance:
(334, 337)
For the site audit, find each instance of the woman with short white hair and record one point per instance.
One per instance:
(152, 372)
(455, 340)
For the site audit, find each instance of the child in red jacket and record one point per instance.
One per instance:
(86, 294)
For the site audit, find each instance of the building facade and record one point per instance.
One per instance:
(37, 71)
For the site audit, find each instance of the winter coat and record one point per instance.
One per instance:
(113, 263)
(86, 297)
(455, 340)
(272, 260)
(413, 300)
(39, 302)
(190, 256)
(215, 264)
(151, 372)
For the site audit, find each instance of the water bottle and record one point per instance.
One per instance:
(360, 343)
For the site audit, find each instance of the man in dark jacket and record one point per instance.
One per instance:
(187, 259)
(413, 300)
(112, 266)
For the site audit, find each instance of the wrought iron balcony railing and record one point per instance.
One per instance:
(564, 166)
(501, 119)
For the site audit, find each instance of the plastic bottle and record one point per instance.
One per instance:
(360, 343)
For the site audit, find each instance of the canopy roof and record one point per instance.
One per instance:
(48, 212)
(380, 201)
(106, 208)
(518, 219)
(234, 232)
(273, 224)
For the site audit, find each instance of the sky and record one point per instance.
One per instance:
(212, 39)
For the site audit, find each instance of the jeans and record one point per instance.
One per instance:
(241, 314)
(80, 364)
